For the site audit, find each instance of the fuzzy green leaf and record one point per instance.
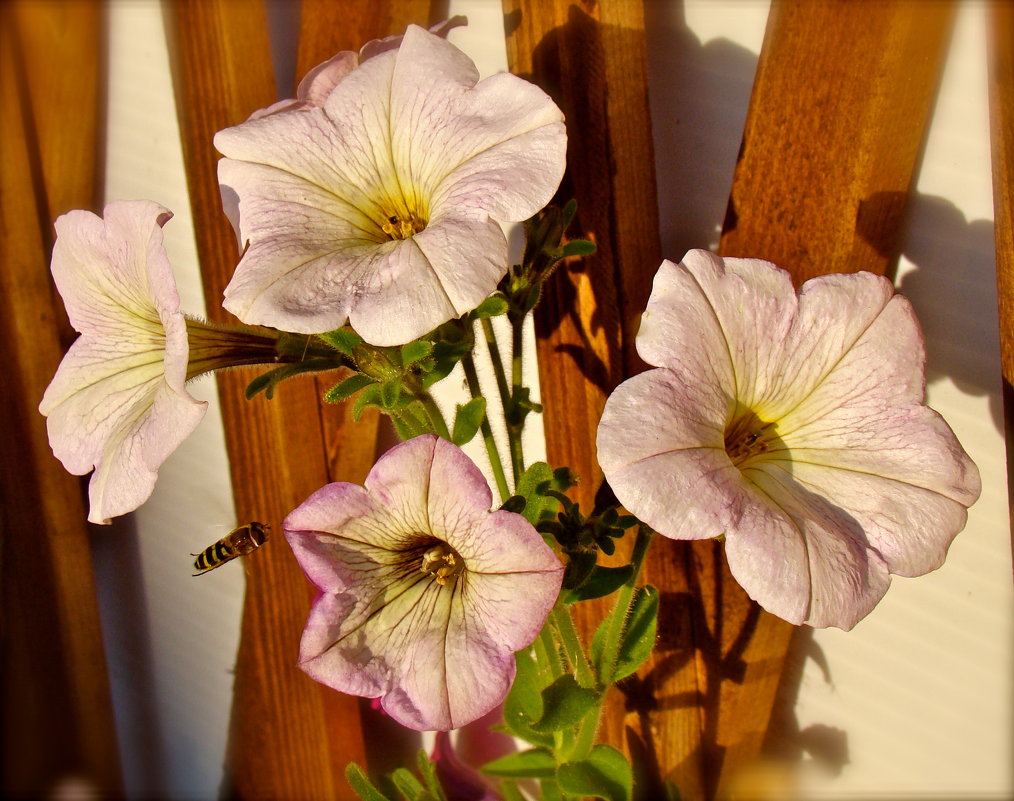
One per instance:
(601, 581)
(579, 247)
(493, 306)
(564, 704)
(415, 351)
(637, 638)
(606, 773)
(343, 340)
(467, 420)
(535, 763)
(363, 786)
(344, 390)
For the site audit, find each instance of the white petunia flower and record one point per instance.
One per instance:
(794, 425)
(425, 594)
(380, 205)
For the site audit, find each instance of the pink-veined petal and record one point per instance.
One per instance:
(117, 403)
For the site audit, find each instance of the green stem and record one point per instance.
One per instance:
(472, 378)
(517, 384)
(507, 398)
(435, 415)
(566, 631)
(611, 646)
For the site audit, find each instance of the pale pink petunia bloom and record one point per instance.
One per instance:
(317, 84)
(118, 403)
(380, 207)
(425, 594)
(794, 425)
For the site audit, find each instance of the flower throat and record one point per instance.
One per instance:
(747, 436)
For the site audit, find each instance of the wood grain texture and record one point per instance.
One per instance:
(841, 101)
(842, 95)
(591, 58)
(1001, 118)
(290, 737)
(57, 713)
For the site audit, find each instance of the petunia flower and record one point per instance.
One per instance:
(381, 206)
(795, 426)
(425, 594)
(117, 403)
(317, 84)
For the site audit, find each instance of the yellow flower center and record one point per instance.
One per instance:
(747, 436)
(442, 562)
(403, 226)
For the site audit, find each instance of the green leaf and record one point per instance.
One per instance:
(604, 774)
(343, 340)
(535, 763)
(564, 704)
(523, 705)
(390, 392)
(537, 484)
(493, 306)
(639, 633)
(515, 504)
(344, 390)
(637, 638)
(409, 786)
(579, 247)
(428, 770)
(467, 420)
(368, 397)
(364, 787)
(601, 582)
(415, 351)
(510, 792)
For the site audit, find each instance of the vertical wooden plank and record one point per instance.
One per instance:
(591, 58)
(1001, 118)
(841, 100)
(57, 714)
(290, 737)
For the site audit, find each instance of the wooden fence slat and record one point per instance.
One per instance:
(290, 737)
(57, 712)
(840, 104)
(1001, 115)
(591, 58)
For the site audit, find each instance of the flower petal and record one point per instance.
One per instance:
(439, 652)
(810, 561)
(118, 403)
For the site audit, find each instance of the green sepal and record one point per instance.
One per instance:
(266, 382)
(344, 390)
(370, 396)
(428, 770)
(409, 786)
(343, 340)
(601, 581)
(467, 419)
(390, 393)
(515, 504)
(564, 704)
(637, 638)
(510, 792)
(493, 306)
(579, 247)
(537, 484)
(535, 763)
(606, 773)
(580, 564)
(415, 351)
(363, 786)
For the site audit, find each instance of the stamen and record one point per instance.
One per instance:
(442, 562)
(398, 227)
(748, 436)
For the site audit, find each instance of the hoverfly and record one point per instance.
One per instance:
(238, 542)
